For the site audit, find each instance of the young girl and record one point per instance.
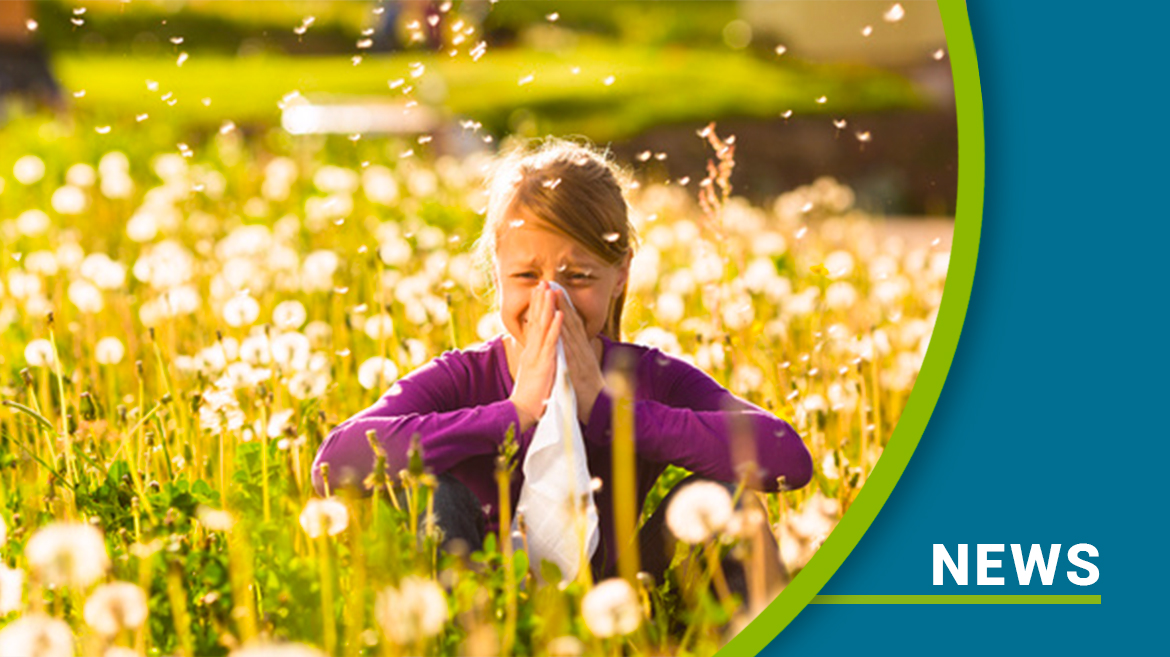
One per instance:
(558, 214)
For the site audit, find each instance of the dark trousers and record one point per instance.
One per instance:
(459, 516)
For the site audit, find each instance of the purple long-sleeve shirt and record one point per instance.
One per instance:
(458, 405)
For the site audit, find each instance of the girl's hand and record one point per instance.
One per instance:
(537, 368)
(581, 357)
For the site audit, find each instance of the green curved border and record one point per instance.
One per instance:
(952, 310)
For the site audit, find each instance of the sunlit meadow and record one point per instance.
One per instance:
(183, 325)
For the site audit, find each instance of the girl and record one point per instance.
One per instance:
(558, 214)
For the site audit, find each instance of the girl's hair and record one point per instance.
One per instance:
(573, 188)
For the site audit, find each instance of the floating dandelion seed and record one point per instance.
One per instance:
(227, 127)
(407, 153)
(939, 54)
(575, 70)
(608, 80)
(516, 223)
(206, 102)
(77, 21)
(935, 241)
(863, 136)
(102, 130)
(611, 237)
(151, 85)
(661, 157)
(176, 40)
(356, 59)
(894, 14)
(781, 49)
(369, 31)
(551, 184)
(141, 117)
(806, 207)
(365, 43)
(867, 30)
(378, 10)
(417, 69)
(425, 139)
(684, 180)
(822, 100)
(182, 58)
(78, 11)
(31, 25)
(172, 102)
(394, 84)
(478, 51)
(80, 93)
(552, 18)
(644, 156)
(801, 232)
(526, 79)
(839, 124)
(167, 95)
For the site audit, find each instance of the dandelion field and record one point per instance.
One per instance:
(182, 326)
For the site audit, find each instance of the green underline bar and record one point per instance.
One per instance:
(956, 600)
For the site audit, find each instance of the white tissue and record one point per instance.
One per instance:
(555, 474)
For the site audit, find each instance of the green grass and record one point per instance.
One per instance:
(651, 87)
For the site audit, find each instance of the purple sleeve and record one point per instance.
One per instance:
(692, 426)
(427, 403)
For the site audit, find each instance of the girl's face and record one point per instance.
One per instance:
(530, 252)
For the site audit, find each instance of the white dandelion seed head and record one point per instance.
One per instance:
(241, 310)
(64, 554)
(114, 607)
(289, 315)
(109, 351)
(28, 170)
(11, 589)
(416, 609)
(611, 609)
(33, 223)
(699, 511)
(69, 200)
(39, 353)
(377, 372)
(216, 520)
(37, 635)
(324, 516)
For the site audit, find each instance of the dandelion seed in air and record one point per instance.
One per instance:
(526, 79)
(894, 14)
(206, 102)
(407, 153)
(684, 180)
(822, 100)
(608, 80)
(939, 54)
(801, 232)
(176, 40)
(432, 20)
(806, 207)
(644, 156)
(478, 51)
(355, 136)
(167, 96)
(425, 139)
(611, 237)
(516, 223)
(151, 85)
(551, 184)
(781, 49)
(863, 136)
(575, 70)
(378, 10)
(141, 117)
(356, 59)
(417, 69)
(172, 102)
(182, 58)
(227, 127)
(839, 124)
(31, 25)
(552, 18)
(80, 93)
(102, 130)
(935, 241)
(77, 21)
(867, 30)
(365, 43)
(787, 114)
(78, 11)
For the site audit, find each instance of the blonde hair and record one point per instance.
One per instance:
(573, 188)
